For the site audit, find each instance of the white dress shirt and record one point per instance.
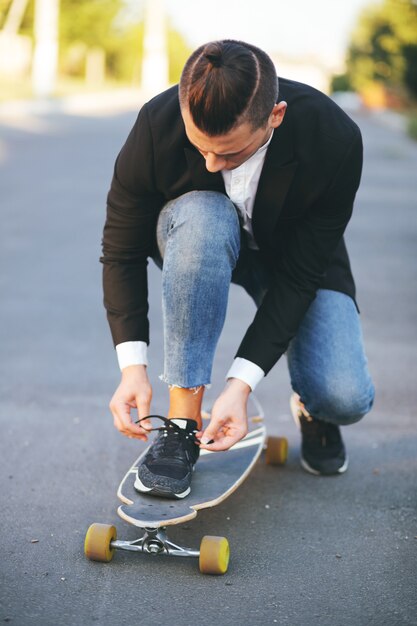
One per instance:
(241, 185)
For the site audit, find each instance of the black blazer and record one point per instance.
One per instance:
(304, 201)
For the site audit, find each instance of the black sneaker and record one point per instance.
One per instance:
(167, 468)
(322, 448)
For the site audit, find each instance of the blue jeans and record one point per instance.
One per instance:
(202, 250)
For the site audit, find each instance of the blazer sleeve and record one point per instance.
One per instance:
(129, 234)
(301, 262)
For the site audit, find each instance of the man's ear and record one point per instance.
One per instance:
(277, 114)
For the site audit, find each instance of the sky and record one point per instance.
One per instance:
(293, 28)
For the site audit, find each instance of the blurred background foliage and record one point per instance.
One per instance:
(109, 26)
(381, 61)
(101, 43)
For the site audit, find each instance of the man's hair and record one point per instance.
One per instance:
(226, 83)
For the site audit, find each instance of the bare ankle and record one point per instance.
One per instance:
(186, 403)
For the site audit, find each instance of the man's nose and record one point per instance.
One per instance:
(214, 163)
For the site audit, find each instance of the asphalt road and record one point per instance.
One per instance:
(306, 551)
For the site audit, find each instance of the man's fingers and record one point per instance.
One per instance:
(145, 424)
(209, 434)
(221, 435)
(224, 443)
(131, 398)
(123, 421)
(144, 409)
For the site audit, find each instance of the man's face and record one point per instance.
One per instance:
(226, 152)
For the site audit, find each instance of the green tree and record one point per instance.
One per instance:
(26, 26)
(125, 53)
(384, 47)
(87, 24)
(340, 82)
(111, 25)
(4, 7)
(89, 21)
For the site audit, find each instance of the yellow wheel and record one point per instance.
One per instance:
(97, 545)
(276, 451)
(214, 555)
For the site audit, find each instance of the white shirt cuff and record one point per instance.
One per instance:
(245, 370)
(132, 353)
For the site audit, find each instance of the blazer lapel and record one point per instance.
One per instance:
(202, 179)
(275, 180)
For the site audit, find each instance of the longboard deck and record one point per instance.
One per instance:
(217, 475)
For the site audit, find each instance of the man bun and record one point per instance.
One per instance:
(226, 83)
(213, 53)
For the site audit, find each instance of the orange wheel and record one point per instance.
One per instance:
(214, 555)
(97, 545)
(276, 451)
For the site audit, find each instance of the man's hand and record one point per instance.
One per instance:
(134, 392)
(229, 420)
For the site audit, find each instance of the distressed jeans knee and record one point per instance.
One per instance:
(343, 402)
(198, 238)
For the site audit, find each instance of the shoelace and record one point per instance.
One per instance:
(166, 444)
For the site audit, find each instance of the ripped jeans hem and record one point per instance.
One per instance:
(194, 389)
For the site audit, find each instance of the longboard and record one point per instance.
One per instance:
(216, 476)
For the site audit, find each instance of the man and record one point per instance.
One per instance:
(236, 177)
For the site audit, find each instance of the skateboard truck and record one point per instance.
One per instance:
(155, 541)
(101, 542)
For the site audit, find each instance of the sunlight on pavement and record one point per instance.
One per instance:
(35, 116)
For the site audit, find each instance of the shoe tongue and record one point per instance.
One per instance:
(184, 423)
